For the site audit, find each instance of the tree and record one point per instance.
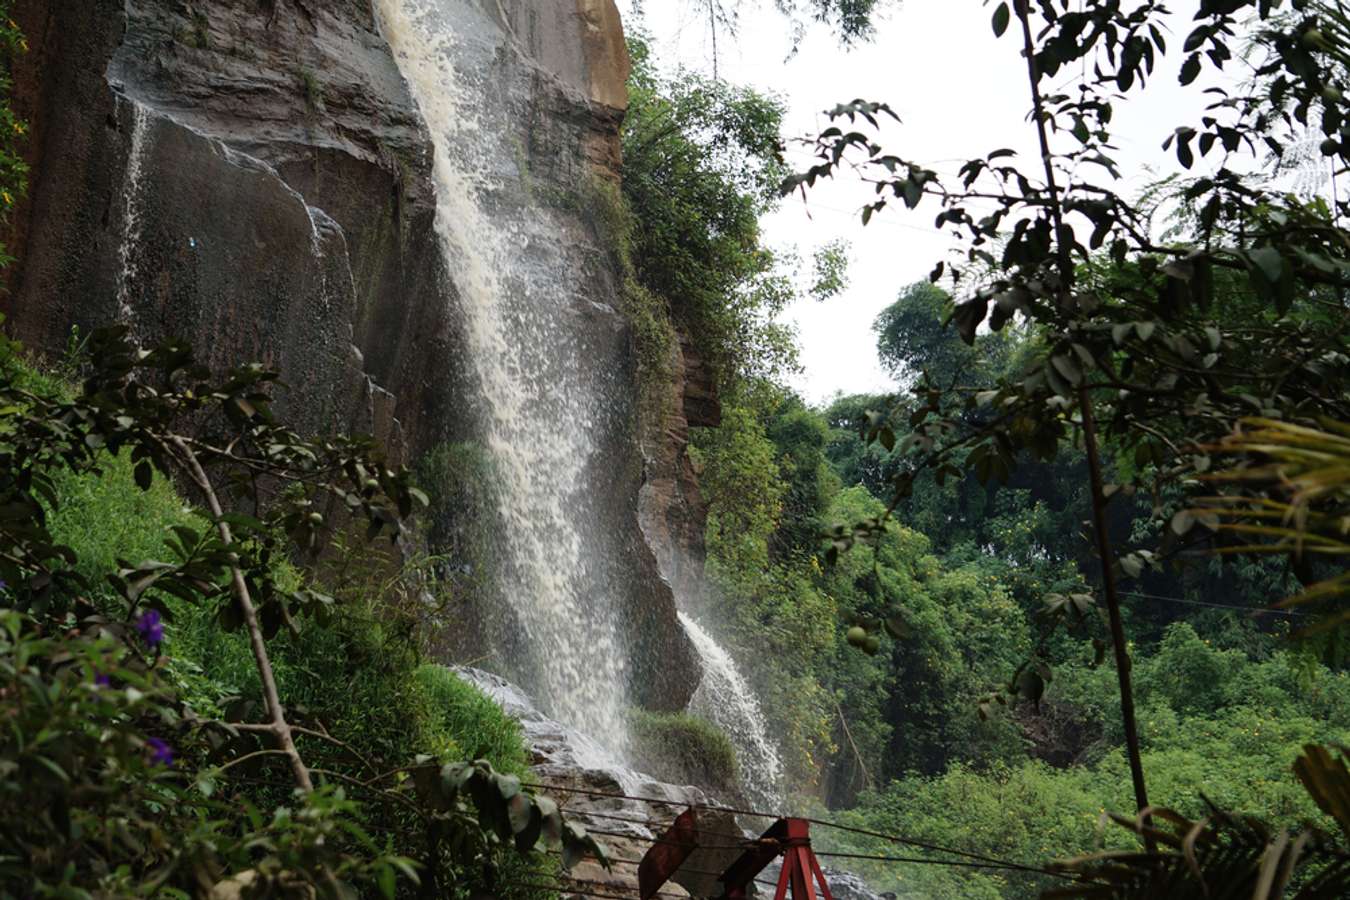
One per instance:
(1150, 367)
(701, 164)
(913, 341)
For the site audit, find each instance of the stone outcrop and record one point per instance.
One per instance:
(672, 511)
(585, 783)
(575, 772)
(255, 176)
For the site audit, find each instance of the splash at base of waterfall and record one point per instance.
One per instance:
(725, 698)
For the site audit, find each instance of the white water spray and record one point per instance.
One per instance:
(724, 697)
(542, 416)
(131, 210)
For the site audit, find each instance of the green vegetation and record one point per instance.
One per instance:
(13, 130)
(311, 88)
(144, 642)
(701, 164)
(1089, 558)
(680, 748)
(907, 740)
(469, 723)
(1026, 611)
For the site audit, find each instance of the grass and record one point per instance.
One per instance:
(360, 674)
(683, 749)
(106, 517)
(201, 31)
(473, 726)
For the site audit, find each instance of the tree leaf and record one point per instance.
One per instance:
(1002, 16)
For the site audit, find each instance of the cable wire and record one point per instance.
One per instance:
(992, 862)
(1254, 610)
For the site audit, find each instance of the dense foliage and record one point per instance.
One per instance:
(993, 549)
(13, 130)
(145, 639)
(701, 165)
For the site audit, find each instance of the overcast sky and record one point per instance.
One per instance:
(959, 93)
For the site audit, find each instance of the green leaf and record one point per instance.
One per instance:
(528, 834)
(897, 627)
(1002, 16)
(551, 824)
(1268, 262)
(1190, 69)
(575, 845)
(1068, 368)
(508, 786)
(519, 810)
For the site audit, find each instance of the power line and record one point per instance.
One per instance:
(654, 826)
(922, 845)
(744, 844)
(1253, 610)
(926, 861)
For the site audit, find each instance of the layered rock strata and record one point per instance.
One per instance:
(255, 176)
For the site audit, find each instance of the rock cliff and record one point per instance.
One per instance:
(256, 176)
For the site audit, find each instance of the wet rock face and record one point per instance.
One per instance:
(255, 176)
(188, 170)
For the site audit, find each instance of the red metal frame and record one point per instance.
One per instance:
(790, 838)
(668, 853)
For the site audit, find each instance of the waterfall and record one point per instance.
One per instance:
(524, 307)
(724, 697)
(131, 210)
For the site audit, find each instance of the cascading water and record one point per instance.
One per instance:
(131, 210)
(524, 308)
(724, 697)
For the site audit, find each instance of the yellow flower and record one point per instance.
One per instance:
(8, 199)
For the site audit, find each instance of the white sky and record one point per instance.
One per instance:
(959, 93)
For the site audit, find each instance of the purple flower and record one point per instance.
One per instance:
(161, 754)
(102, 680)
(150, 627)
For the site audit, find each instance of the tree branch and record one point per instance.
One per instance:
(281, 729)
(1105, 554)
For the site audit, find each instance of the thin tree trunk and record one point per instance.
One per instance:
(280, 728)
(1103, 538)
(1109, 590)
